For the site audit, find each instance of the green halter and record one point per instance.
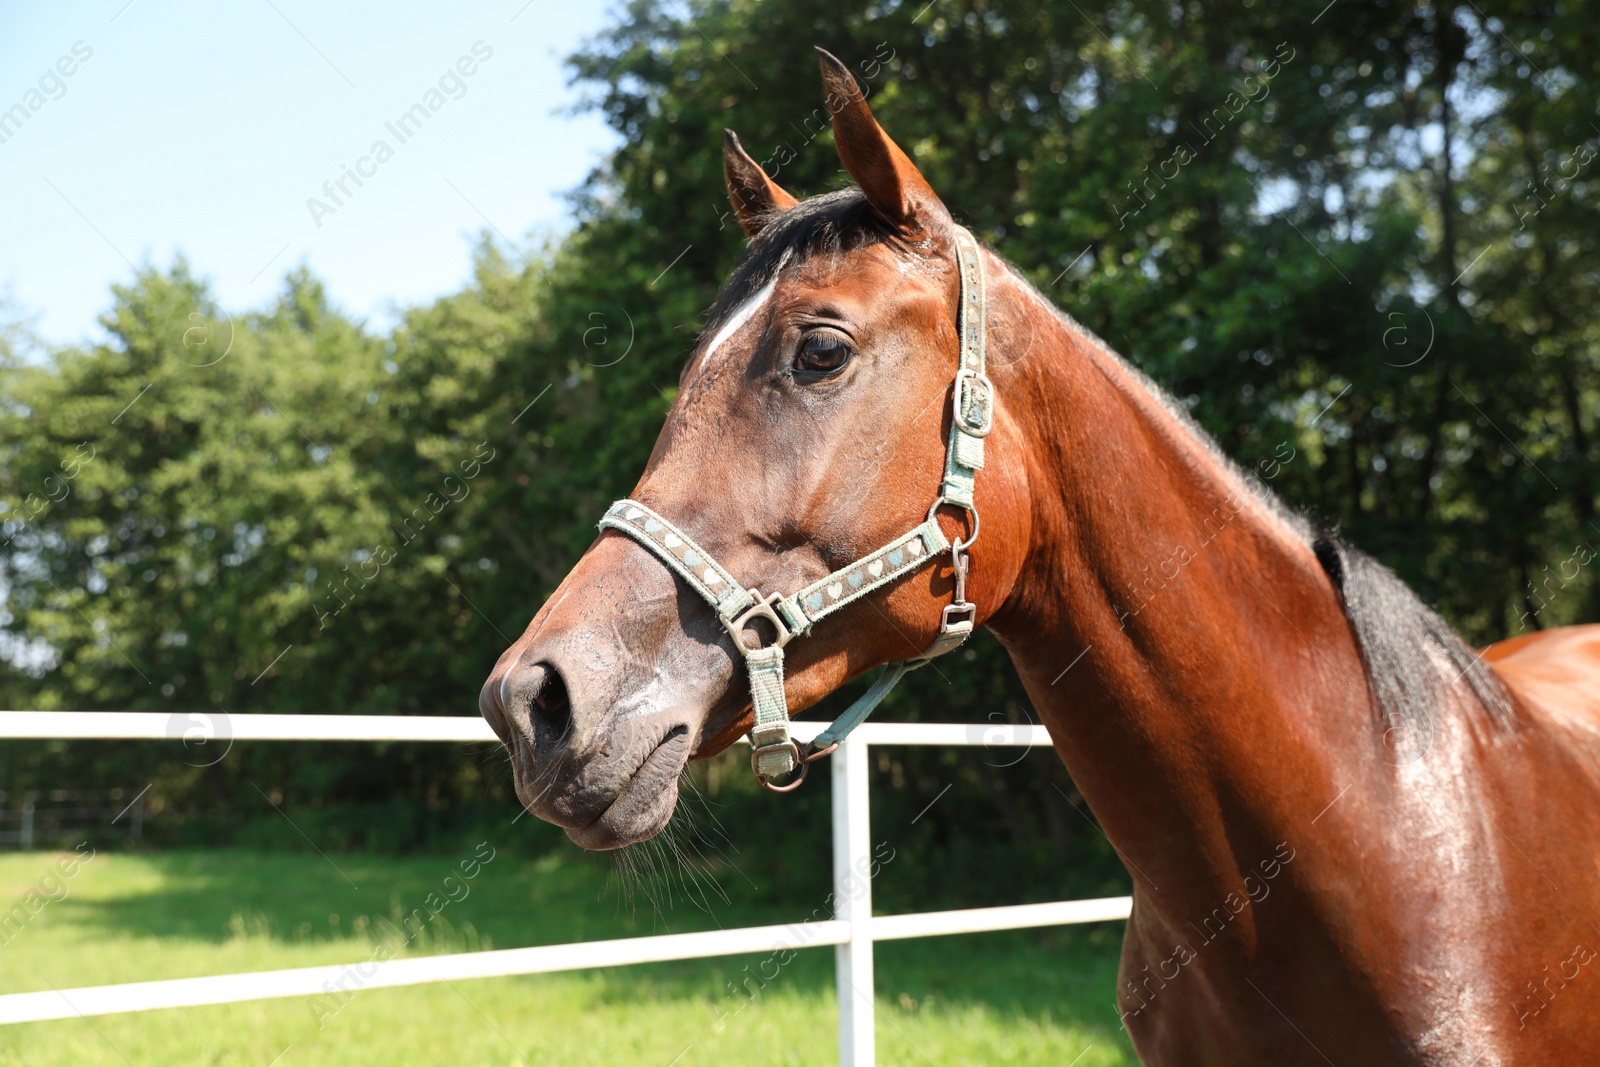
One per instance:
(972, 417)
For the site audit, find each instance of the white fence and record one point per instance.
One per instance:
(852, 931)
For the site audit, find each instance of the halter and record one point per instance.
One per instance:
(972, 417)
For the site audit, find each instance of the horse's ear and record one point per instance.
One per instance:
(894, 186)
(756, 197)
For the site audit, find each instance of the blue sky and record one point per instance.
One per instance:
(205, 128)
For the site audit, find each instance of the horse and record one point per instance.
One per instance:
(1352, 839)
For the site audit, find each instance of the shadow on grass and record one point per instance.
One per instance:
(216, 896)
(1062, 975)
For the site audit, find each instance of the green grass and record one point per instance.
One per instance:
(1025, 997)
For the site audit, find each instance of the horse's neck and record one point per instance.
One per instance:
(1174, 632)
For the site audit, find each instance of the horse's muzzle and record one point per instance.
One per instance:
(607, 777)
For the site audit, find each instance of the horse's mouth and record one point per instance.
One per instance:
(644, 804)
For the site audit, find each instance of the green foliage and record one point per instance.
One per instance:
(1251, 203)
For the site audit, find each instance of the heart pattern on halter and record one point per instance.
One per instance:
(674, 545)
(838, 589)
(885, 565)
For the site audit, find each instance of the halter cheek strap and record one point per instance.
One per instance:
(745, 612)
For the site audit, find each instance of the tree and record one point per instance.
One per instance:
(1359, 245)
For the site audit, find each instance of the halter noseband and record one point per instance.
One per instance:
(972, 417)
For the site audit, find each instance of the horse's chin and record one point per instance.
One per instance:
(645, 803)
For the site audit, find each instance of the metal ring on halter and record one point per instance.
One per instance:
(802, 767)
(806, 755)
(959, 545)
(810, 753)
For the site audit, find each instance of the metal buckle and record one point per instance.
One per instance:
(761, 609)
(965, 607)
(800, 769)
(984, 399)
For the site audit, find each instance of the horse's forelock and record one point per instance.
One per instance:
(826, 225)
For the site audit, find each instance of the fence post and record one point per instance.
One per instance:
(25, 832)
(852, 902)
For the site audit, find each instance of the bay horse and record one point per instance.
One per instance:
(1352, 840)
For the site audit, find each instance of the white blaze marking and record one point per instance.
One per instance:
(746, 311)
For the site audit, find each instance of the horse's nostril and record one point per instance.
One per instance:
(551, 710)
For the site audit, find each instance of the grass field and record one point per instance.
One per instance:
(1026, 997)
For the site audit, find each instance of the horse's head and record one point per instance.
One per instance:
(810, 430)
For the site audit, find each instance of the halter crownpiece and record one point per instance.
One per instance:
(738, 608)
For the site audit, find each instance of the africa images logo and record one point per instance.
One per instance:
(452, 85)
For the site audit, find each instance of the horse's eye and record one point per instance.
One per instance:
(822, 353)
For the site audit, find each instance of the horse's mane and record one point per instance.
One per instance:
(1405, 647)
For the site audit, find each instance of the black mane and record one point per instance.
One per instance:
(1401, 640)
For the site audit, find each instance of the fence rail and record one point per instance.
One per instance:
(35, 824)
(852, 931)
(155, 726)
